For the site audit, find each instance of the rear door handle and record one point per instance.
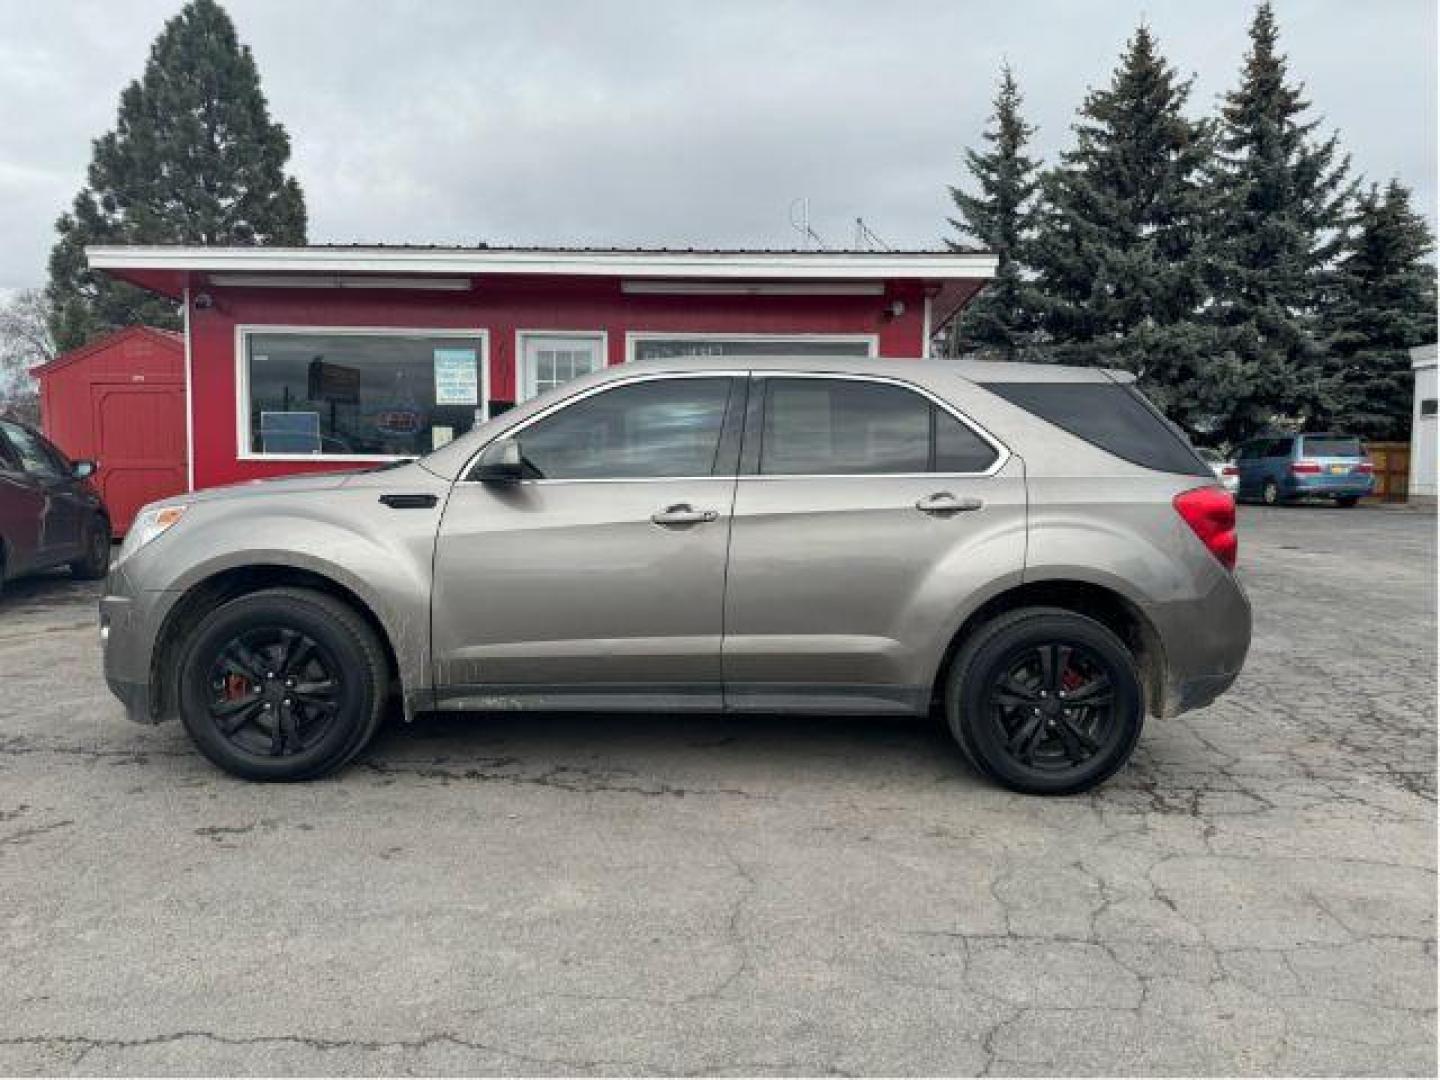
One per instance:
(942, 502)
(683, 514)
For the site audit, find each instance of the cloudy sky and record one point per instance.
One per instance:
(683, 122)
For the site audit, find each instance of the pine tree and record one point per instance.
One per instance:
(1384, 305)
(1282, 199)
(1000, 215)
(194, 158)
(1118, 249)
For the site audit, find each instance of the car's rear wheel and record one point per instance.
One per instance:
(1270, 493)
(1347, 501)
(95, 563)
(1045, 701)
(283, 684)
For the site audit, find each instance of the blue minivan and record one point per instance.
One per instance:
(1279, 468)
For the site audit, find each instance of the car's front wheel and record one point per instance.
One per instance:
(1347, 501)
(1045, 701)
(95, 563)
(282, 684)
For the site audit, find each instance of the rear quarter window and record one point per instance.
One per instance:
(1116, 418)
(1330, 447)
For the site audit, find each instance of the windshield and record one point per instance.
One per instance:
(1331, 446)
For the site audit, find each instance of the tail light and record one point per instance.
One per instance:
(1230, 470)
(1304, 468)
(1210, 513)
(1364, 467)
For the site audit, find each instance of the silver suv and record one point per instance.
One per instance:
(1033, 549)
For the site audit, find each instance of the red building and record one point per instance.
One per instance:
(120, 401)
(322, 357)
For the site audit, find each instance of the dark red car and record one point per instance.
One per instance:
(50, 515)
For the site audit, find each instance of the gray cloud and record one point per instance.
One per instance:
(683, 123)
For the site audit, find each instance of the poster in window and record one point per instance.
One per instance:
(290, 432)
(457, 377)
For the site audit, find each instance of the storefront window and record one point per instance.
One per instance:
(658, 348)
(372, 394)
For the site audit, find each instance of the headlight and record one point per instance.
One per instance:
(149, 524)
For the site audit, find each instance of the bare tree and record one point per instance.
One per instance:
(25, 340)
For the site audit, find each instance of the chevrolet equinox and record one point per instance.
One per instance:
(1033, 549)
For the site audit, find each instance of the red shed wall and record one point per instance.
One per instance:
(502, 307)
(120, 401)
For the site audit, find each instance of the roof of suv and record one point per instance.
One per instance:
(978, 371)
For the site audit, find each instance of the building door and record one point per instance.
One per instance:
(140, 430)
(551, 360)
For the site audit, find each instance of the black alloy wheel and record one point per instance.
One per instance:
(283, 684)
(274, 691)
(1045, 701)
(1053, 705)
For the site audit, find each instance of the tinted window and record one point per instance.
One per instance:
(843, 427)
(1114, 417)
(1278, 447)
(35, 456)
(1332, 447)
(661, 427)
(957, 448)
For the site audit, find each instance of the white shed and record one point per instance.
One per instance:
(1422, 426)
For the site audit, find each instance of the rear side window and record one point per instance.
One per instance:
(1316, 447)
(1279, 448)
(1114, 417)
(846, 427)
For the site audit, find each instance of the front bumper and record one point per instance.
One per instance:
(128, 622)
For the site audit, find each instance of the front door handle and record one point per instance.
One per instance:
(942, 502)
(683, 514)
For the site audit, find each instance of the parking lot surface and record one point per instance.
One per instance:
(542, 894)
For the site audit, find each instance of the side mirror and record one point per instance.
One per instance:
(84, 469)
(500, 463)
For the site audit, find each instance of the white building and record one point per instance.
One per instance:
(1422, 425)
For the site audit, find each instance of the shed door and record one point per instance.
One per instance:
(140, 435)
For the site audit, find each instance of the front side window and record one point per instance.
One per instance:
(844, 427)
(396, 395)
(655, 428)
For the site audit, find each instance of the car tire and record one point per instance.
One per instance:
(1347, 501)
(1270, 493)
(95, 563)
(316, 674)
(1004, 706)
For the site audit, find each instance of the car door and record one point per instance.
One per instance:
(1277, 461)
(1247, 461)
(867, 514)
(54, 509)
(22, 512)
(598, 580)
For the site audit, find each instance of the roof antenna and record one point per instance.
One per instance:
(867, 239)
(800, 222)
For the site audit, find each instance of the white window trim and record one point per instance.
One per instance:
(524, 388)
(242, 379)
(871, 341)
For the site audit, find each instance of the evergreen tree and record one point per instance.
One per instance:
(1282, 198)
(1384, 305)
(1118, 250)
(1001, 217)
(194, 158)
